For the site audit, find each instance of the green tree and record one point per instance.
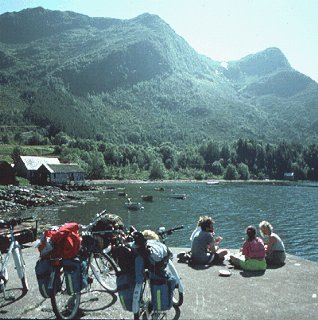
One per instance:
(16, 153)
(217, 168)
(167, 152)
(243, 171)
(230, 172)
(311, 158)
(96, 165)
(157, 170)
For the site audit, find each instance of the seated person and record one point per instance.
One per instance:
(204, 247)
(275, 249)
(252, 256)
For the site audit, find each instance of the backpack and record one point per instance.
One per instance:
(108, 222)
(158, 255)
(64, 242)
(125, 257)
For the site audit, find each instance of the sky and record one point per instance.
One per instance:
(223, 30)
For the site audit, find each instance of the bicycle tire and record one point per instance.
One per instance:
(64, 306)
(105, 270)
(145, 306)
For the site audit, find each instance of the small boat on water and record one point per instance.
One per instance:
(181, 196)
(211, 183)
(134, 206)
(160, 189)
(122, 194)
(147, 198)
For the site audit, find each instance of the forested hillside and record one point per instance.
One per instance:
(131, 98)
(137, 81)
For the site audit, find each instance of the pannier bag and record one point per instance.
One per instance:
(125, 257)
(125, 286)
(43, 272)
(158, 255)
(63, 242)
(162, 291)
(76, 275)
(108, 222)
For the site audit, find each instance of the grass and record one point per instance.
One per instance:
(6, 151)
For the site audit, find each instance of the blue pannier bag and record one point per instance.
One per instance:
(162, 291)
(43, 272)
(84, 272)
(125, 288)
(76, 275)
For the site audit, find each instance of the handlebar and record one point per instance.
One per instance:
(163, 232)
(89, 226)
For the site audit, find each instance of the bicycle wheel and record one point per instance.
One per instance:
(105, 270)
(177, 297)
(64, 306)
(145, 302)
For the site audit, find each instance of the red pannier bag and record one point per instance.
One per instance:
(64, 242)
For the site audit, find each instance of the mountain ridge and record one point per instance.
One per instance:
(137, 81)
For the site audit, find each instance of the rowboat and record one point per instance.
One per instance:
(210, 183)
(134, 206)
(147, 198)
(181, 196)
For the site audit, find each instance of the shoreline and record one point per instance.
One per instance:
(208, 181)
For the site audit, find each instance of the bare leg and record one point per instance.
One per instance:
(235, 260)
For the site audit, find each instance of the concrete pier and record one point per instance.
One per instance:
(289, 292)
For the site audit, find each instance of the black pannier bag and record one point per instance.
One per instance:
(125, 257)
(43, 272)
(108, 222)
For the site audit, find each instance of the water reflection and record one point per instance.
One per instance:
(291, 210)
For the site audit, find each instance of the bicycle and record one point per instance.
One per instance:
(142, 294)
(179, 289)
(100, 262)
(66, 302)
(11, 246)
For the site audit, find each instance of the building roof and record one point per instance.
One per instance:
(34, 163)
(64, 168)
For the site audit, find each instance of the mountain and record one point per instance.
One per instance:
(137, 81)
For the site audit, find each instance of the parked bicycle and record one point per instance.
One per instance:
(179, 289)
(98, 251)
(62, 280)
(148, 289)
(11, 246)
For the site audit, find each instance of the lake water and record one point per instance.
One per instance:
(292, 210)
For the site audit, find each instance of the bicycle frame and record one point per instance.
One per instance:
(174, 272)
(15, 250)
